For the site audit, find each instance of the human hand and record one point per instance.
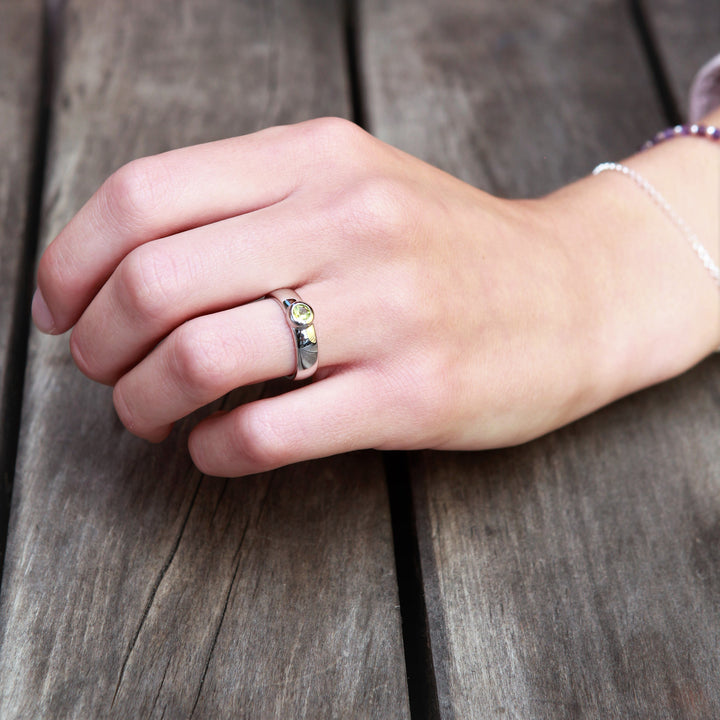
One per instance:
(446, 318)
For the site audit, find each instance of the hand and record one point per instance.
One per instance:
(446, 318)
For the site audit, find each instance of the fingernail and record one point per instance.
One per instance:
(41, 313)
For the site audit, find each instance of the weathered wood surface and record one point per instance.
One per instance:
(514, 98)
(576, 576)
(20, 53)
(134, 586)
(687, 35)
(573, 577)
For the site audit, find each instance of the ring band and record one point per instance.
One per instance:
(299, 316)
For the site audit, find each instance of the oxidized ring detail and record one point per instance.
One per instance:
(299, 316)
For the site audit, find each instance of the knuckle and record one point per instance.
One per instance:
(133, 193)
(381, 208)
(330, 146)
(333, 136)
(257, 440)
(202, 361)
(149, 283)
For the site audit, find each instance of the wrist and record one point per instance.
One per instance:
(653, 310)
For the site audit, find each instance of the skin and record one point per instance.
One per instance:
(446, 318)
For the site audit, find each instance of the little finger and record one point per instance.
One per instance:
(323, 418)
(204, 359)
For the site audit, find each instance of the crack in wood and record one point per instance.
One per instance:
(155, 588)
(237, 558)
(160, 687)
(219, 501)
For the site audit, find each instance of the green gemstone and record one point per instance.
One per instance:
(301, 313)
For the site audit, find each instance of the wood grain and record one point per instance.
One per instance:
(134, 586)
(20, 59)
(515, 99)
(575, 576)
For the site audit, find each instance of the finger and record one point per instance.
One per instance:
(324, 418)
(206, 358)
(157, 196)
(164, 283)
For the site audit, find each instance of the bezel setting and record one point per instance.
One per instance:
(301, 313)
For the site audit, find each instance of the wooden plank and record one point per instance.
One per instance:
(20, 33)
(575, 576)
(489, 92)
(583, 566)
(134, 586)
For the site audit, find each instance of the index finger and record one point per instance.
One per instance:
(158, 196)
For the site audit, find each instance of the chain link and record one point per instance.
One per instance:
(665, 206)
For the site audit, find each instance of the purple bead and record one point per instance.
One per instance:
(709, 131)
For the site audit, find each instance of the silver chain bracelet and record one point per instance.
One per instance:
(665, 206)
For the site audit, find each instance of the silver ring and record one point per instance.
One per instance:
(299, 316)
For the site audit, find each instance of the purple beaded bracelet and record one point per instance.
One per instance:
(707, 131)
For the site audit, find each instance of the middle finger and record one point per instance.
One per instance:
(162, 284)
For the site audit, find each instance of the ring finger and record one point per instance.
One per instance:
(207, 357)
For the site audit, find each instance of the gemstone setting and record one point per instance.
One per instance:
(301, 313)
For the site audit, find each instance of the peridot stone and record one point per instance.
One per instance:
(301, 313)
